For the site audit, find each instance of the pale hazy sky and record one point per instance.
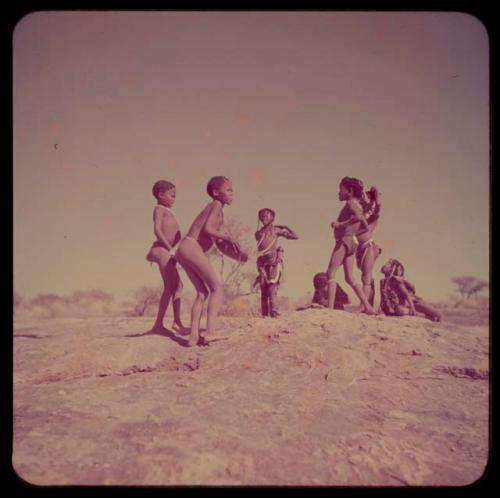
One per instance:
(284, 103)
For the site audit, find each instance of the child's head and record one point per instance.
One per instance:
(164, 192)
(320, 280)
(220, 188)
(393, 268)
(266, 216)
(350, 187)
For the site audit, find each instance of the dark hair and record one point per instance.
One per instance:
(263, 210)
(161, 186)
(397, 269)
(320, 280)
(353, 185)
(215, 183)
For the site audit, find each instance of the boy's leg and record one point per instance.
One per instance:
(401, 311)
(273, 297)
(197, 308)
(428, 311)
(348, 272)
(192, 254)
(367, 274)
(264, 299)
(336, 259)
(176, 298)
(164, 261)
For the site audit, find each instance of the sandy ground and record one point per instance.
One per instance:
(311, 398)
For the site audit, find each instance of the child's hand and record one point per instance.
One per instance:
(376, 194)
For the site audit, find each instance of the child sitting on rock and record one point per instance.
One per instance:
(397, 295)
(320, 297)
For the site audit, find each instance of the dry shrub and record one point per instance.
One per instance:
(80, 304)
(242, 306)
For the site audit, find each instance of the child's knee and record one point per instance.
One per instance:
(400, 311)
(215, 287)
(350, 280)
(366, 279)
(202, 295)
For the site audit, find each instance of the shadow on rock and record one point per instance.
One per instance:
(163, 332)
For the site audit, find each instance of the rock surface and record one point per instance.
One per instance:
(311, 398)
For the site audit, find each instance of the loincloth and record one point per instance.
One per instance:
(269, 268)
(157, 243)
(362, 249)
(350, 242)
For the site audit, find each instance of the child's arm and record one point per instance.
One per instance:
(284, 231)
(408, 296)
(340, 224)
(158, 214)
(357, 213)
(211, 228)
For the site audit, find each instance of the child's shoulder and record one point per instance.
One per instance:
(354, 203)
(162, 210)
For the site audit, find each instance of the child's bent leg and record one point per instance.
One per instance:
(197, 308)
(348, 269)
(336, 259)
(428, 311)
(200, 264)
(401, 311)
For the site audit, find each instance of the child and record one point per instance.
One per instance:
(368, 251)
(162, 252)
(268, 259)
(269, 280)
(191, 254)
(397, 295)
(320, 297)
(347, 225)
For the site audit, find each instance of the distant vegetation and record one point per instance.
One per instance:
(93, 302)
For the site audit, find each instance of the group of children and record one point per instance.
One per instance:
(352, 231)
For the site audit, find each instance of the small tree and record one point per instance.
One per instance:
(477, 287)
(144, 297)
(235, 276)
(468, 286)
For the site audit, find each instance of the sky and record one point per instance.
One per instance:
(283, 103)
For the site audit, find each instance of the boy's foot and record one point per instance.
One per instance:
(275, 314)
(179, 327)
(158, 329)
(207, 338)
(193, 340)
